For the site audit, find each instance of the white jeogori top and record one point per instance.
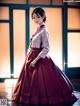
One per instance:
(41, 39)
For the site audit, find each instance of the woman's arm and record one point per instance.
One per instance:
(45, 44)
(45, 47)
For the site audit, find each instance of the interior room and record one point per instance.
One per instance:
(16, 29)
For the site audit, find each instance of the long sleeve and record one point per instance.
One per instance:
(45, 44)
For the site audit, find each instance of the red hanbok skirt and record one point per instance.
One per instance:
(42, 84)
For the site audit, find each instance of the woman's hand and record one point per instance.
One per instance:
(33, 63)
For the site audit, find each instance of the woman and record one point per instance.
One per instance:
(41, 81)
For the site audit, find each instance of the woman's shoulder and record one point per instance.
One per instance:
(45, 31)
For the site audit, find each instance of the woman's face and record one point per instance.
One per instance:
(37, 19)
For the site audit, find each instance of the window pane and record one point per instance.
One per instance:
(39, 1)
(73, 18)
(4, 13)
(13, 1)
(54, 25)
(73, 3)
(73, 49)
(4, 51)
(19, 40)
(57, 2)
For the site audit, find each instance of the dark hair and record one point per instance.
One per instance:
(39, 11)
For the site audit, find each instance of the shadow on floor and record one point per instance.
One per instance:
(68, 104)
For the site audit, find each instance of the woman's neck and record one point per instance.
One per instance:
(41, 24)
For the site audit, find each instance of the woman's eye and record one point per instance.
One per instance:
(38, 16)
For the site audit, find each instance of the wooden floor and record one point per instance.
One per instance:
(6, 90)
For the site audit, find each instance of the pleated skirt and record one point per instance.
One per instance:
(44, 83)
